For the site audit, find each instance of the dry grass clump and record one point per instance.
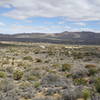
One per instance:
(6, 85)
(5, 61)
(24, 85)
(56, 65)
(32, 78)
(90, 66)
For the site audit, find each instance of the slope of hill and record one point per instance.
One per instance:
(64, 37)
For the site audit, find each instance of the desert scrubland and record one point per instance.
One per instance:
(40, 71)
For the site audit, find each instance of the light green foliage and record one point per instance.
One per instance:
(37, 84)
(2, 74)
(86, 94)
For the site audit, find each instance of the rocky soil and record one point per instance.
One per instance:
(49, 72)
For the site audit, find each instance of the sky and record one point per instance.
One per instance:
(49, 16)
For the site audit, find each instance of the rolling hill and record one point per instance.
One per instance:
(84, 37)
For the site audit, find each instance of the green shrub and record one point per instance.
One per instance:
(66, 67)
(80, 81)
(2, 74)
(17, 75)
(92, 71)
(86, 94)
(28, 58)
(97, 85)
(68, 75)
(37, 84)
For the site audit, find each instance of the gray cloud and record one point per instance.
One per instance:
(71, 9)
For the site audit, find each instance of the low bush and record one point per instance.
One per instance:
(86, 94)
(2, 74)
(66, 67)
(37, 84)
(92, 71)
(97, 85)
(17, 75)
(28, 58)
(80, 81)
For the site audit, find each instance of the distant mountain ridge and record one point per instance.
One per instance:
(84, 37)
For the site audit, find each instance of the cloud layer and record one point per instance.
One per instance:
(71, 9)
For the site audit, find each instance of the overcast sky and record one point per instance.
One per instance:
(49, 16)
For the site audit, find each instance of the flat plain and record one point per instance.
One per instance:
(43, 71)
